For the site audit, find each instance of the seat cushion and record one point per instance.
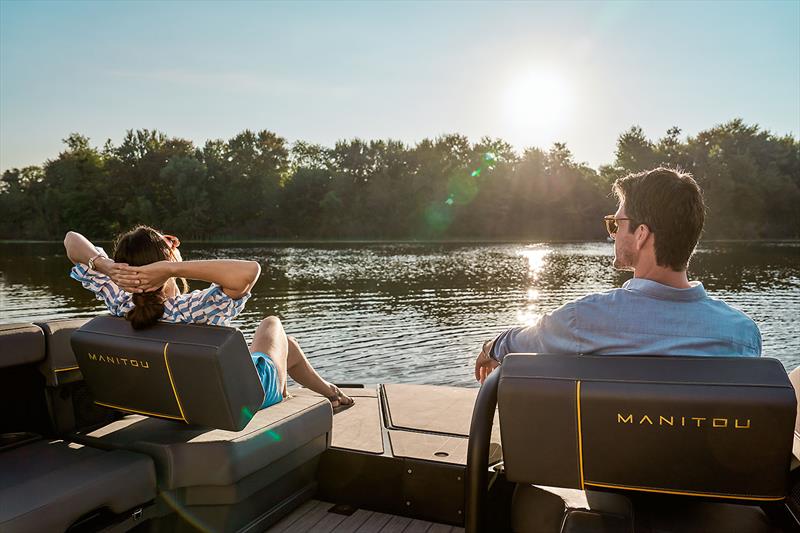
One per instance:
(540, 509)
(20, 344)
(664, 513)
(580, 521)
(188, 456)
(47, 485)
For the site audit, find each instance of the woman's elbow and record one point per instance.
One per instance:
(255, 272)
(69, 240)
(250, 276)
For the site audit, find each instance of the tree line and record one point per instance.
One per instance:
(258, 186)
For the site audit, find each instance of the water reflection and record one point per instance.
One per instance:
(535, 254)
(418, 312)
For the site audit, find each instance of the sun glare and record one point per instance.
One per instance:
(538, 101)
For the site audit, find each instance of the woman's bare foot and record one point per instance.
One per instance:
(339, 399)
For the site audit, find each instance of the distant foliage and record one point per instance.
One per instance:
(256, 186)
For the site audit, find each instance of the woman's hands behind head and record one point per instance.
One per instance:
(234, 276)
(120, 273)
(143, 278)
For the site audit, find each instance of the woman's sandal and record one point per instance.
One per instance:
(339, 400)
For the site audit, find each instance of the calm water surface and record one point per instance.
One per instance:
(417, 313)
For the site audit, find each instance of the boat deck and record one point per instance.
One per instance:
(418, 422)
(397, 462)
(325, 517)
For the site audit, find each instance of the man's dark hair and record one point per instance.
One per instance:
(670, 203)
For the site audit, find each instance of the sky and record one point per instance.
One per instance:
(529, 73)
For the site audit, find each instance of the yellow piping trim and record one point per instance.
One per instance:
(67, 368)
(682, 493)
(580, 438)
(112, 406)
(171, 382)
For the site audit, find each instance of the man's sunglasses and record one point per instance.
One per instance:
(612, 225)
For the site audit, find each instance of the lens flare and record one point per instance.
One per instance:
(462, 188)
(438, 217)
(184, 513)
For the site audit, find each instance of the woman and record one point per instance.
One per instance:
(139, 283)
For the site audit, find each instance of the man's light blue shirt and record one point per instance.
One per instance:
(641, 318)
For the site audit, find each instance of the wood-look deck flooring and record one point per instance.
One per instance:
(313, 516)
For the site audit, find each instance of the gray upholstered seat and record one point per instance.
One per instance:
(550, 509)
(48, 485)
(673, 443)
(69, 403)
(224, 461)
(188, 456)
(227, 479)
(22, 344)
(194, 373)
(698, 426)
(59, 365)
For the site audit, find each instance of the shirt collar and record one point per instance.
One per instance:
(665, 292)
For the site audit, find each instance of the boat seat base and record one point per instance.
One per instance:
(547, 509)
(657, 513)
(256, 512)
(226, 479)
(49, 485)
(193, 456)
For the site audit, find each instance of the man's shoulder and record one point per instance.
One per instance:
(607, 297)
(733, 314)
(614, 299)
(634, 312)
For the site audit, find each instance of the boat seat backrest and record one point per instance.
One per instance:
(699, 426)
(20, 344)
(59, 366)
(195, 374)
(22, 347)
(69, 404)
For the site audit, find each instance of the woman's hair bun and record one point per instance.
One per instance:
(148, 309)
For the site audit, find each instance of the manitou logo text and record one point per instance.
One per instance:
(683, 421)
(122, 361)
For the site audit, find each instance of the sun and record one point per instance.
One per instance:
(538, 101)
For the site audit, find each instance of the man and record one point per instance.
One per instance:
(659, 311)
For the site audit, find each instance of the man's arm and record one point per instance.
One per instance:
(553, 333)
(484, 364)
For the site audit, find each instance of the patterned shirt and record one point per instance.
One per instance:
(207, 306)
(641, 318)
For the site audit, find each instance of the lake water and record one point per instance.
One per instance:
(417, 313)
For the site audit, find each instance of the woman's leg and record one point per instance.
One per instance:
(285, 352)
(303, 373)
(270, 339)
